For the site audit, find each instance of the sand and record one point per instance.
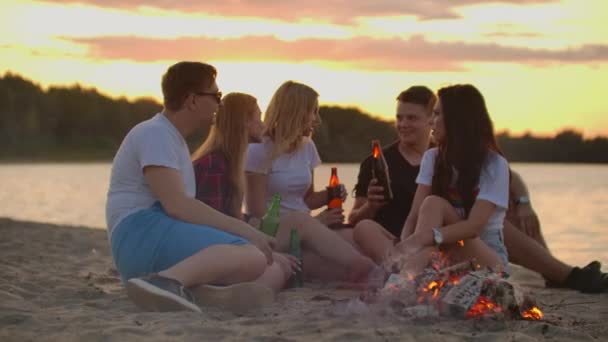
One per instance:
(57, 283)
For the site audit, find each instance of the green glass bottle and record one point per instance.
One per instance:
(296, 251)
(270, 221)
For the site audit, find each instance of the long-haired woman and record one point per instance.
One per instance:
(284, 162)
(219, 161)
(463, 186)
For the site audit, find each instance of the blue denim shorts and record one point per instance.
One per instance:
(149, 241)
(495, 240)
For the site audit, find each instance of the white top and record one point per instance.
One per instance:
(290, 174)
(493, 183)
(154, 142)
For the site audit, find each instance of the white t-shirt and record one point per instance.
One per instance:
(493, 183)
(154, 142)
(290, 174)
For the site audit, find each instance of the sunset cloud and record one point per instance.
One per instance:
(415, 54)
(328, 10)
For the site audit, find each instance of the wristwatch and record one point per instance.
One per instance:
(437, 236)
(522, 200)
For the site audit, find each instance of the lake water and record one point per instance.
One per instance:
(571, 200)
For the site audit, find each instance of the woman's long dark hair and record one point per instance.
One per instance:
(469, 136)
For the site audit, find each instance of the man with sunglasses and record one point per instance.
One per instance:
(167, 245)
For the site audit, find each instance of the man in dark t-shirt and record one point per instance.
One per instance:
(413, 126)
(391, 215)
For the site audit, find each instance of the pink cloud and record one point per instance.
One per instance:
(331, 10)
(415, 54)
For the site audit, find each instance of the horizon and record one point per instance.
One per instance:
(343, 106)
(528, 57)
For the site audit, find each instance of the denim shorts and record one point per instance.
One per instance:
(150, 241)
(494, 239)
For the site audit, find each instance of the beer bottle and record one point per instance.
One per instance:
(333, 190)
(270, 220)
(296, 251)
(380, 170)
(334, 195)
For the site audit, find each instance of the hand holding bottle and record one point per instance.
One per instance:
(331, 217)
(289, 263)
(375, 195)
(343, 192)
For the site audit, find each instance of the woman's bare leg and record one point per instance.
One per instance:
(373, 240)
(327, 243)
(321, 269)
(347, 235)
(437, 212)
(238, 264)
(274, 277)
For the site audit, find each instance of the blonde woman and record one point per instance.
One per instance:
(218, 162)
(283, 162)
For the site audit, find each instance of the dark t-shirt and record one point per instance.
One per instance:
(403, 183)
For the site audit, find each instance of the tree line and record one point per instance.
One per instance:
(76, 123)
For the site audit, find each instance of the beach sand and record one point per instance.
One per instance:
(58, 283)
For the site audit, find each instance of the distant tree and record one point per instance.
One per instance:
(345, 134)
(80, 123)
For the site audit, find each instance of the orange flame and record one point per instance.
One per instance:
(482, 307)
(460, 243)
(533, 314)
(431, 288)
(376, 151)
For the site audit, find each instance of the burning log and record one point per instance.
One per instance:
(460, 290)
(461, 297)
(458, 269)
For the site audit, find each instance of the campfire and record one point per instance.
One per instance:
(463, 290)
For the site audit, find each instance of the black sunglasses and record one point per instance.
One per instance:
(217, 95)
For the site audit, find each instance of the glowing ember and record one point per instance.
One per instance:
(439, 260)
(460, 243)
(533, 314)
(462, 291)
(431, 288)
(454, 280)
(483, 306)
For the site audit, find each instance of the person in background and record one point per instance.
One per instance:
(378, 222)
(173, 251)
(284, 163)
(520, 213)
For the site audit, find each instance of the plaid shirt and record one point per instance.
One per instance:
(212, 183)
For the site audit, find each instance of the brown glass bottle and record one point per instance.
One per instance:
(334, 195)
(380, 170)
(333, 190)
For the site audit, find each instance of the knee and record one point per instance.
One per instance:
(254, 262)
(431, 203)
(303, 223)
(363, 230)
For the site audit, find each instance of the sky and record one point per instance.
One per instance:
(542, 65)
